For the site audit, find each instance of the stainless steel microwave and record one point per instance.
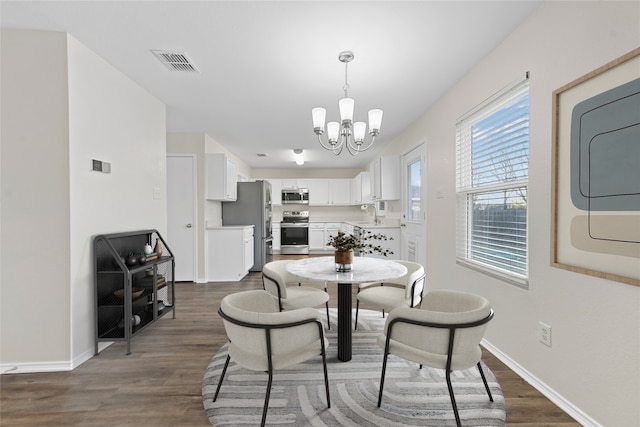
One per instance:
(299, 196)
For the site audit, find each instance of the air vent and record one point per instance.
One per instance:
(176, 61)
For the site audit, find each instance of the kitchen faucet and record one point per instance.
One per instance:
(376, 220)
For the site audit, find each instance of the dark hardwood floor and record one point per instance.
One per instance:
(160, 383)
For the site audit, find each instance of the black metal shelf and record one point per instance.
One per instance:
(114, 317)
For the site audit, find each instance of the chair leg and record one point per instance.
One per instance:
(383, 314)
(328, 322)
(326, 377)
(384, 369)
(224, 370)
(266, 399)
(486, 386)
(357, 307)
(453, 399)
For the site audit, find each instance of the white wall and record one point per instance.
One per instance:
(61, 107)
(35, 303)
(115, 120)
(593, 368)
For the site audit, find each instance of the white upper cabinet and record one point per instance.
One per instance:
(361, 189)
(385, 178)
(291, 183)
(318, 191)
(276, 191)
(339, 192)
(327, 192)
(222, 178)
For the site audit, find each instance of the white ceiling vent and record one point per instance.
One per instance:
(176, 61)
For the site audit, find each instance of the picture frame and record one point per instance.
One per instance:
(595, 203)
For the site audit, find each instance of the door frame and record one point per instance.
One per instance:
(421, 256)
(194, 186)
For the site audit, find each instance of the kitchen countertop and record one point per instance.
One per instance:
(390, 223)
(395, 224)
(228, 227)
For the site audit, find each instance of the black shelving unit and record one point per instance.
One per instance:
(121, 318)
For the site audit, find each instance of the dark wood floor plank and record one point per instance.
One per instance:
(160, 382)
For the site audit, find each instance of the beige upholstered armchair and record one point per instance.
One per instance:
(261, 338)
(289, 292)
(445, 333)
(405, 291)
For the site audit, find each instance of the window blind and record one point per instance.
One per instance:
(492, 157)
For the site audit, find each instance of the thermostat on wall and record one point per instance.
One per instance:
(100, 166)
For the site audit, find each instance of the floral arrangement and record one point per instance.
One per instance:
(343, 242)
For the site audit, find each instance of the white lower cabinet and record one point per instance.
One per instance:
(229, 253)
(330, 229)
(316, 236)
(319, 233)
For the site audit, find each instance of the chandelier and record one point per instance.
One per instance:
(346, 133)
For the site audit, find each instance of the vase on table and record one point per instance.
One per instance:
(344, 260)
(158, 248)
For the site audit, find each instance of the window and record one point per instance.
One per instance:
(492, 171)
(414, 192)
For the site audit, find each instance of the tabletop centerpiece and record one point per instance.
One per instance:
(344, 245)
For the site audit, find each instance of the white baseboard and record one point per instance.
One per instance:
(25, 368)
(39, 367)
(573, 411)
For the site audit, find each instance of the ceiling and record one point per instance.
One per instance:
(263, 65)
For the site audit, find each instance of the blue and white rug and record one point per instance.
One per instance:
(412, 396)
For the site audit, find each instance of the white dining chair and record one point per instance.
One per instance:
(444, 333)
(289, 292)
(262, 338)
(405, 291)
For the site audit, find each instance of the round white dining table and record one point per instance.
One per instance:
(363, 270)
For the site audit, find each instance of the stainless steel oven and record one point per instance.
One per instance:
(294, 232)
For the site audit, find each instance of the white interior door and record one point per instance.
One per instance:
(181, 214)
(413, 225)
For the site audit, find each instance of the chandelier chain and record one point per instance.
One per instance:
(346, 83)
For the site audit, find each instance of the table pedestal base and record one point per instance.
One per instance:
(344, 322)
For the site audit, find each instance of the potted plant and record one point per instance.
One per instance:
(344, 244)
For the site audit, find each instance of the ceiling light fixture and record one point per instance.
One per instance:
(350, 134)
(299, 157)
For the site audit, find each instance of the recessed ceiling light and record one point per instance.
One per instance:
(263, 155)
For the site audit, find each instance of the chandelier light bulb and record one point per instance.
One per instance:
(375, 120)
(333, 131)
(318, 114)
(346, 106)
(359, 129)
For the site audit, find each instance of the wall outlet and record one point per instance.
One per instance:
(156, 193)
(544, 334)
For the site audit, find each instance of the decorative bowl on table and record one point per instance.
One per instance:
(135, 293)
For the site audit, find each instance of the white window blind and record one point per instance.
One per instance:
(492, 170)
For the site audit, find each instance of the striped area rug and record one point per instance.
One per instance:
(412, 396)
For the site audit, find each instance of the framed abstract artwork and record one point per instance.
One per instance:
(595, 224)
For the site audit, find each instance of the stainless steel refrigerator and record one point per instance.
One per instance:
(253, 206)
